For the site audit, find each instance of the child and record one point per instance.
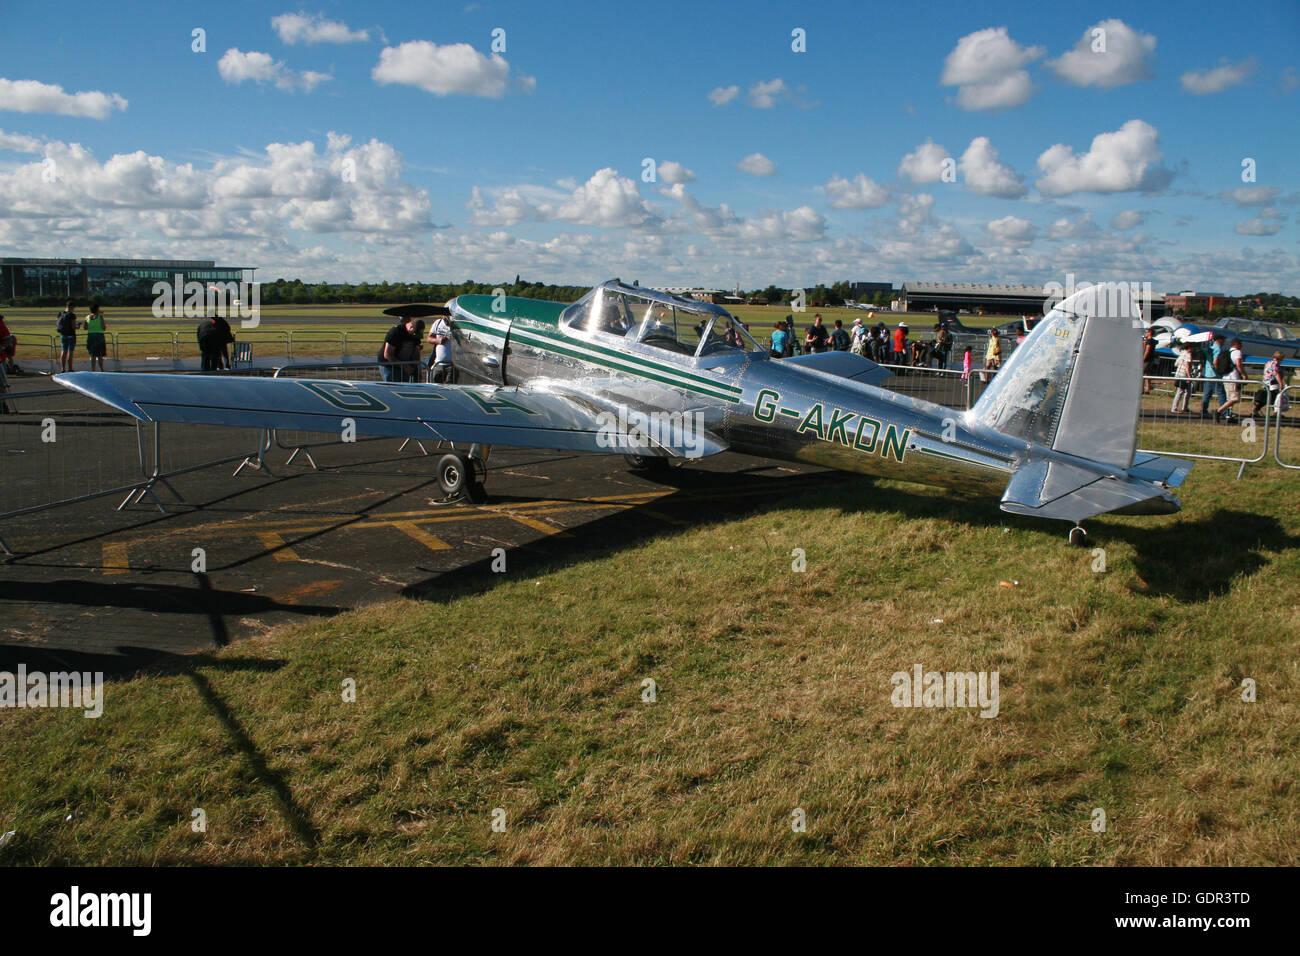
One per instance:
(965, 365)
(1182, 379)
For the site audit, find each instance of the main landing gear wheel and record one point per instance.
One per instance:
(1078, 537)
(651, 463)
(458, 477)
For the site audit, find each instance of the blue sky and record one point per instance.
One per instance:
(945, 141)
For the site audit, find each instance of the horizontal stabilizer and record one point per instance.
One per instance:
(1060, 489)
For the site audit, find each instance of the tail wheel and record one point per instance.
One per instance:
(1078, 537)
(650, 463)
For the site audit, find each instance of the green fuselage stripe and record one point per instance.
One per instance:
(666, 374)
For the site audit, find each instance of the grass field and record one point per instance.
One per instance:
(139, 334)
(1120, 691)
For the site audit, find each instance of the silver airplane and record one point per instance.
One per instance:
(662, 379)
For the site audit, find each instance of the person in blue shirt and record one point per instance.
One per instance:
(1213, 378)
(778, 340)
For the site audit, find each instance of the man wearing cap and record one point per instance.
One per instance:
(900, 344)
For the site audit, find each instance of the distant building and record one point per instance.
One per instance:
(979, 298)
(1177, 303)
(702, 295)
(866, 290)
(108, 280)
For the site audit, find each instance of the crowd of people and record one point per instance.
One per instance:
(1219, 363)
(877, 343)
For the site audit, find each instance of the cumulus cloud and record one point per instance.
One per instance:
(756, 164)
(1066, 228)
(1267, 223)
(19, 143)
(764, 94)
(1251, 195)
(984, 175)
(671, 173)
(804, 224)
(1127, 219)
(1110, 53)
(606, 199)
(301, 28)
(237, 67)
(925, 164)
(860, 192)
(1011, 231)
(32, 96)
(1205, 82)
(456, 68)
(987, 67)
(1126, 159)
(140, 201)
(723, 95)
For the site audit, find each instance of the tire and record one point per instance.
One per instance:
(649, 463)
(455, 474)
(1078, 537)
(475, 493)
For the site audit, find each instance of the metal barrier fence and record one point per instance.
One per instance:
(1286, 422)
(1171, 421)
(58, 447)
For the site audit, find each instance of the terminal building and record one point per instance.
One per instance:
(107, 280)
(981, 299)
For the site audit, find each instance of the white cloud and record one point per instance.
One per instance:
(19, 143)
(1290, 80)
(860, 192)
(987, 67)
(764, 94)
(1127, 219)
(1205, 82)
(237, 67)
(756, 164)
(606, 199)
(723, 95)
(443, 70)
(1267, 223)
(925, 164)
(804, 224)
(1011, 231)
(1251, 195)
(984, 175)
(301, 28)
(1066, 228)
(671, 172)
(1110, 53)
(1126, 159)
(32, 96)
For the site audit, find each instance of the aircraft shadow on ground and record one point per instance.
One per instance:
(1189, 561)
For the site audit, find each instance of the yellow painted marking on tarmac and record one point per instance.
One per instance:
(413, 530)
(535, 523)
(275, 544)
(115, 558)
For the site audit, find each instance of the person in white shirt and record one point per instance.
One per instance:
(1232, 381)
(440, 368)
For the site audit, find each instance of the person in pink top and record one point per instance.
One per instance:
(965, 365)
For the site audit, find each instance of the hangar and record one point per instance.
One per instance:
(108, 280)
(985, 299)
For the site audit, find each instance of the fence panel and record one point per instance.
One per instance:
(1171, 422)
(1288, 423)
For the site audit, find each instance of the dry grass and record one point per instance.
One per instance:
(1118, 690)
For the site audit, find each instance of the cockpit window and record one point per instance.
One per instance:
(659, 321)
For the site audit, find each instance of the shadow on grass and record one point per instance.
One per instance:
(1189, 560)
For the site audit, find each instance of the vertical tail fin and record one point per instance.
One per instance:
(1074, 384)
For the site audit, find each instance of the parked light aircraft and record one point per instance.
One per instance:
(633, 371)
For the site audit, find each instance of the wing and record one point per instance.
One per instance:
(483, 414)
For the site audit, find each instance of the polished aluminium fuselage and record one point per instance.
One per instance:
(749, 401)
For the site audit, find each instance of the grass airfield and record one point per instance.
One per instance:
(523, 692)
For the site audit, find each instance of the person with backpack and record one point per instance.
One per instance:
(942, 344)
(95, 343)
(839, 338)
(1232, 379)
(66, 326)
(214, 337)
(1216, 358)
